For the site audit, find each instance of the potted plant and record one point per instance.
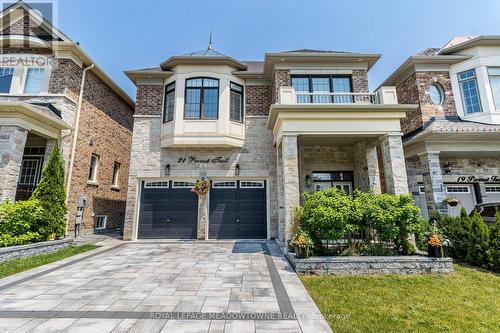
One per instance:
(302, 243)
(452, 202)
(201, 186)
(436, 247)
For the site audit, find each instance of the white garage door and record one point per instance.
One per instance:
(464, 193)
(492, 192)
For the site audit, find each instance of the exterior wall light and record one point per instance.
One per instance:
(308, 181)
(237, 170)
(447, 168)
(167, 170)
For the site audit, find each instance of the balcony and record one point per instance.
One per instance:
(340, 114)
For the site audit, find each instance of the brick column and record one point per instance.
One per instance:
(433, 183)
(394, 164)
(373, 171)
(12, 141)
(291, 191)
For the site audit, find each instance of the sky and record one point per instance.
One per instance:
(122, 34)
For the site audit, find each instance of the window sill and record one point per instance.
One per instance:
(92, 183)
(115, 188)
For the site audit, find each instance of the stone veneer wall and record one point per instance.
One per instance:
(257, 160)
(414, 90)
(404, 265)
(323, 158)
(28, 250)
(12, 141)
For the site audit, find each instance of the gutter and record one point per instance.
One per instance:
(75, 137)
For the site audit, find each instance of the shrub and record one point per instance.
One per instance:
(456, 229)
(478, 242)
(51, 194)
(329, 214)
(19, 222)
(495, 244)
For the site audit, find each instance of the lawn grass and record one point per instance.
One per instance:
(465, 301)
(22, 264)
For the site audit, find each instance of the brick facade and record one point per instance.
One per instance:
(359, 80)
(281, 78)
(27, 27)
(105, 130)
(149, 100)
(414, 90)
(258, 100)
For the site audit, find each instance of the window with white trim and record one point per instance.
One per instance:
(224, 184)
(492, 189)
(457, 189)
(252, 184)
(236, 102)
(494, 74)
(35, 80)
(157, 184)
(6, 75)
(169, 104)
(100, 222)
(470, 91)
(182, 184)
(116, 173)
(94, 163)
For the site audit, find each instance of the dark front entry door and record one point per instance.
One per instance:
(167, 211)
(238, 210)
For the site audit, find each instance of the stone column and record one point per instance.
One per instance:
(279, 181)
(49, 147)
(12, 141)
(394, 164)
(202, 216)
(291, 192)
(482, 191)
(433, 183)
(373, 171)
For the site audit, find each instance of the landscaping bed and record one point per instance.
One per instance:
(465, 301)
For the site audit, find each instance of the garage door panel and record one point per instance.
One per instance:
(168, 213)
(238, 213)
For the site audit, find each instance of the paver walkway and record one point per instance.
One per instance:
(211, 286)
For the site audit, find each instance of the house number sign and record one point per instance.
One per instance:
(196, 160)
(468, 179)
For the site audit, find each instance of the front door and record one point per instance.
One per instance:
(343, 180)
(30, 173)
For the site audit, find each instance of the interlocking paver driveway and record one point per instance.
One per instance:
(230, 286)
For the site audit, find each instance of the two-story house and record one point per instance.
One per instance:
(452, 141)
(52, 92)
(263, 132)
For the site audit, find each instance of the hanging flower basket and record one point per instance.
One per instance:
(201, 186)
(452, 202)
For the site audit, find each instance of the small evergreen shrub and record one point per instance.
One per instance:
(495, 245)
(19, 222)
(51, 194)
(478, 242)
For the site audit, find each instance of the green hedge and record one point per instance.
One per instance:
(472, 241)
(332, 214)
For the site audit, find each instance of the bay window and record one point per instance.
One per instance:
(168, 108)
(494, 74)
(202, 98)
(236, 103)
(6, 75)
(470, 92)
(323, 89)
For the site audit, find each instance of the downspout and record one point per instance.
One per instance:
(75, 138)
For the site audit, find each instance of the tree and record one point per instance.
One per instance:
(52, 196)
(478, 244)
(495, 244)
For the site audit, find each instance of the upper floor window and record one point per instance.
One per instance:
(202, 98)
(35, 80)
(6, 74)
(94, 163)
(236, 103)
(168, 108)
(436, 93)
(323, 89)
(494, 73)
(470, 93)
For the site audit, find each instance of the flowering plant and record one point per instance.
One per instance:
(451, 201)
(201, 186)
(434, 241)
(302, 240)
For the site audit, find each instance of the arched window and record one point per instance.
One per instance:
(202, 98)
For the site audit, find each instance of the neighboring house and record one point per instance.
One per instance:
(51, 91)
(263, 132)
(452, 141)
